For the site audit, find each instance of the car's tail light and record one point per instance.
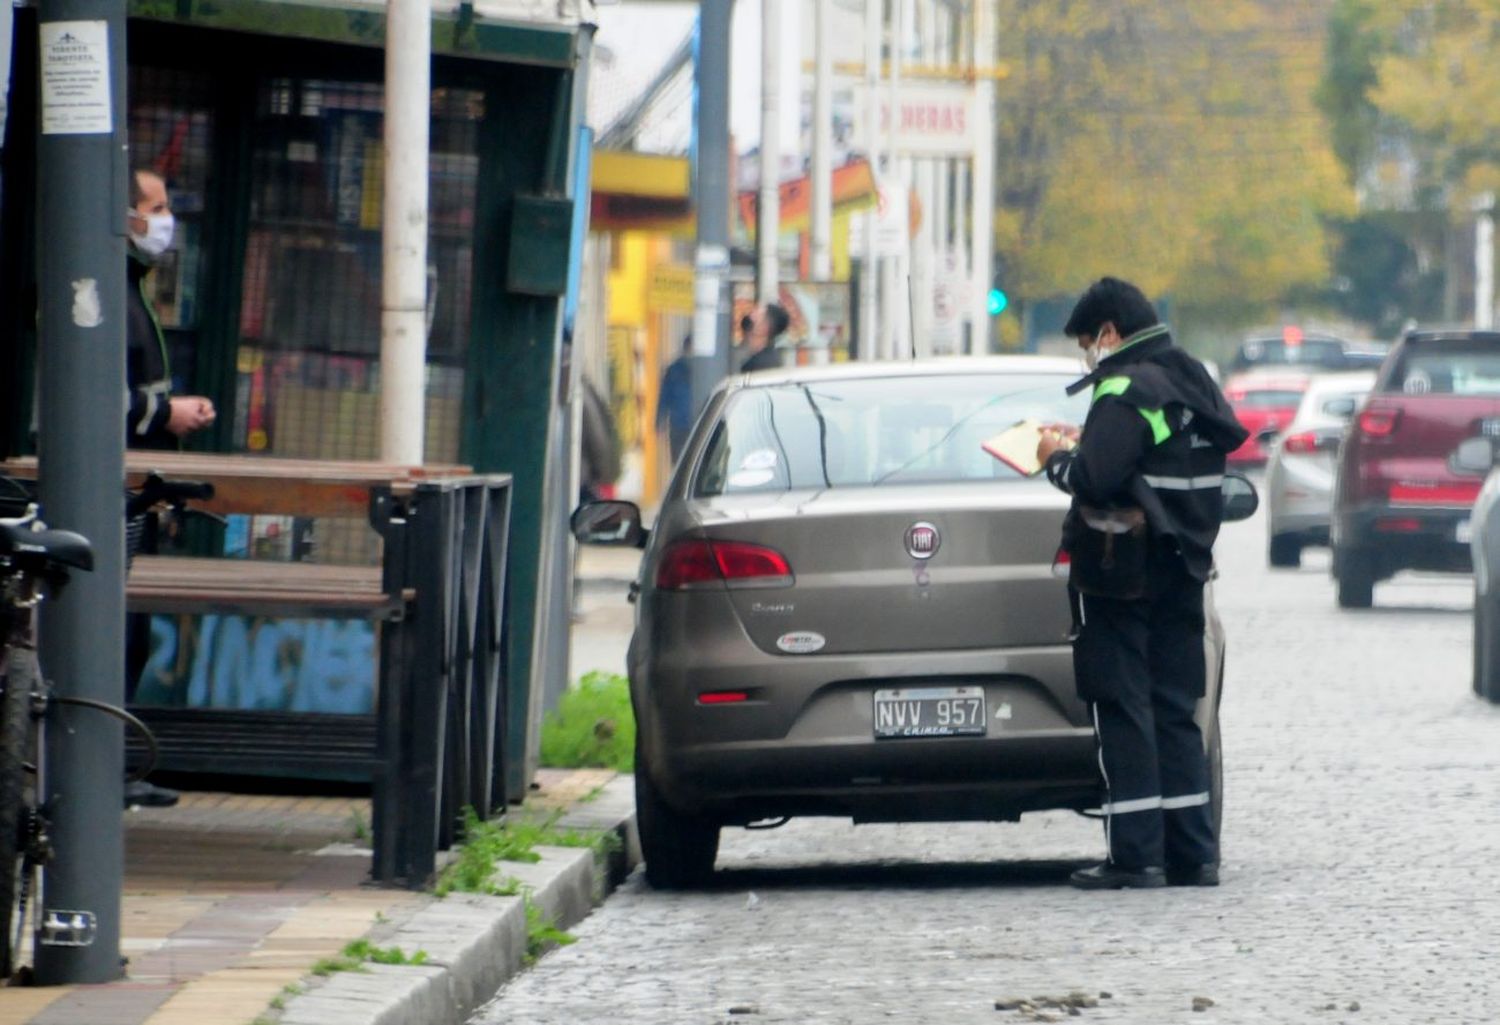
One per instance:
(723, 697)
(1462, 493)
(1379, 423)
(697, 562)
(1304, 442)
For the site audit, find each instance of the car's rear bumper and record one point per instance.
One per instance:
(1298, 498)
(932, 779)
(803, 742)
(1401, 537)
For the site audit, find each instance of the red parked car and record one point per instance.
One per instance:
(1262, 399)
(1398, 502)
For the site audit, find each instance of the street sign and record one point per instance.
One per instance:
(937, 119)
(670, 289)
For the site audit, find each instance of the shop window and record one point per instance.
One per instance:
(310, 314)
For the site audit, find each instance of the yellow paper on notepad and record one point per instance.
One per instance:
(1016, 446)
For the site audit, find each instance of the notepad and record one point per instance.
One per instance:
(1016, 446)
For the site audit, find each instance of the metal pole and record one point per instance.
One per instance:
(1484, 264)
(711, 341)
(769, 222)
(869, 274)
(822, 144)
(81, 349)
(984, 175)
(403, 285)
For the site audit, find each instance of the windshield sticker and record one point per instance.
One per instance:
(751, 478)
(760, 459)
(801, 642)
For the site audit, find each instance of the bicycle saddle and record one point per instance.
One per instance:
(60, 546)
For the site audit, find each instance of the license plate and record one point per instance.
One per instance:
(1464, 532)
(929, 712)
(1490, 427)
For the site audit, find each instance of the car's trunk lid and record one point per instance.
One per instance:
(860, 583)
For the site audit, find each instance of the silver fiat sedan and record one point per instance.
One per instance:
(848, 607)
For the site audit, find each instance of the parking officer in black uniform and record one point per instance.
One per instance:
(1145, 474)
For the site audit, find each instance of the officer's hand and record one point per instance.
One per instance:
(1055, 438)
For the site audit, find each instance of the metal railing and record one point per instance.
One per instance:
(442, 686)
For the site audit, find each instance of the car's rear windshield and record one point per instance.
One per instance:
(1266, 398)
(1449, 366)
(876, 431)
(1267, 352)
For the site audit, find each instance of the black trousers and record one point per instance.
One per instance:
(1141, 666)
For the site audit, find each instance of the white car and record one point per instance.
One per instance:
(1300, 474)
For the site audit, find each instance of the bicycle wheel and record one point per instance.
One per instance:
(15, 738)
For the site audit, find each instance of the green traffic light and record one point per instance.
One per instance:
(998, 302)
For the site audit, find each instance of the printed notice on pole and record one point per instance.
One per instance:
(75, 78)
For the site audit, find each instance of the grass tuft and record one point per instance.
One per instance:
(592, 727)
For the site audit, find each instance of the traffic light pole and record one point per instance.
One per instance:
(81, 205)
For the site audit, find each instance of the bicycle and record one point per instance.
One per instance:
(36, 562)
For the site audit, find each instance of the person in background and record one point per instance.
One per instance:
(766, 325)
(674, 403)
(156, 419)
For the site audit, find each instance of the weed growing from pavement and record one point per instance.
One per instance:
(592, 727)
(358, 953)
(360, 828)
(486, 844)
(542, 933)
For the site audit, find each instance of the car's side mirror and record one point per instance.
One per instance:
(1240, 498)
(613, 523)
(1266, 435)
(1474, 455)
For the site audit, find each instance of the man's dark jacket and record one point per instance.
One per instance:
(1157, 436)
(147, 373)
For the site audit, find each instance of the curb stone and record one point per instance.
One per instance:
(475, 943)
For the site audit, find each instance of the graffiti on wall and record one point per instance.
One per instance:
(252, 663)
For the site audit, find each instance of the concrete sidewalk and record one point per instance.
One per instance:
(231, 901)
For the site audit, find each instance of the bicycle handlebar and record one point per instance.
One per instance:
(155, 489)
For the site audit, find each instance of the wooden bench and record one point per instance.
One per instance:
(255, 485)
(440, 659)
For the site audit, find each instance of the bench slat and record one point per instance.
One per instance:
(173, 584)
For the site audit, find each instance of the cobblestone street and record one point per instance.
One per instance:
(1359, 839)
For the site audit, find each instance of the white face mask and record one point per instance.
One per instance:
(158, 236)
(1094, 353)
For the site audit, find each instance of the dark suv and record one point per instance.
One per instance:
(1398, 502)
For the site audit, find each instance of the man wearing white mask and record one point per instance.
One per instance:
(156, 419)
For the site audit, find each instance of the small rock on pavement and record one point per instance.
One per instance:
(1202, 1003)
(1354, 1005)
(744, 1009)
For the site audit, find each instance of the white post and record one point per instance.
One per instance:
(983, 207)
(898, 295)
(822, 144)
(869, 274)
(403, 286)
(1484, 264)
(769, 223)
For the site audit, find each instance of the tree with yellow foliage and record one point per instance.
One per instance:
(1176, 144)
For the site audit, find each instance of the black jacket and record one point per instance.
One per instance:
(147, 372)
(766, 359)
(1157, 436)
